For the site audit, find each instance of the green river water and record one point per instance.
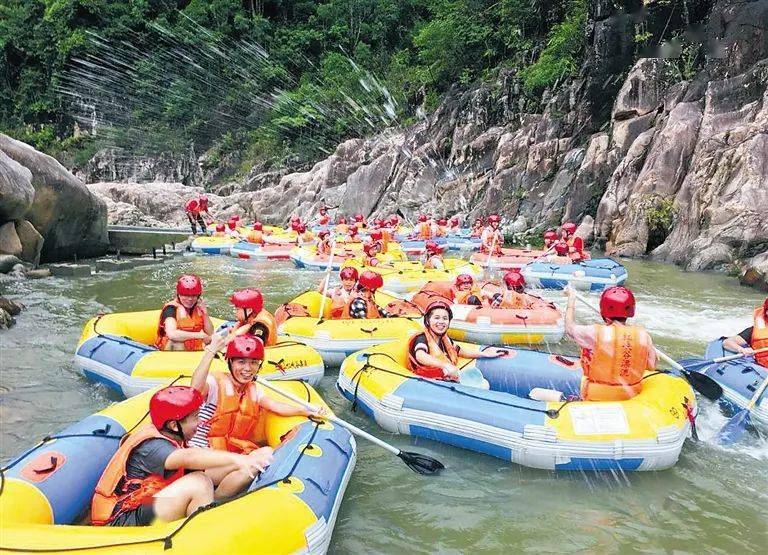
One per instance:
(714, 501)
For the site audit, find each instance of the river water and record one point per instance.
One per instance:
(715, 500)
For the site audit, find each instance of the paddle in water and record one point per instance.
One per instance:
(702, 383)
(738, 423)
(415, 461)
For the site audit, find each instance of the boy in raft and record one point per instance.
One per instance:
(232, 405)
(155, 475)
(432, 354)
(232, 228)
(477, 228)
(433, 256)
(251, 317)
(370, 251)
(324, 219)
(514, 296)
(752, 338)
(323, 242)
(256, 234)
(342, 294)
(550, 237)
(614, 354)
(192, 209)
(575, 244)
(561, 255)
(491, 238)
(424, 230)
(184, 322)
(304, 237)
(362, 304)
(465, 291)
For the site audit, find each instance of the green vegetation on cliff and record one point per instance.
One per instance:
(161, 74)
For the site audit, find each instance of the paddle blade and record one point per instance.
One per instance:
(734, 428)
(421, 463)
(705, 385)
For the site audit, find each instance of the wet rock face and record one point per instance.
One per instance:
(16, 191)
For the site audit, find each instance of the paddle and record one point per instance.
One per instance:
(327, 279)
(707, 362)
(415, 461)
(737, 425)
(702, 383)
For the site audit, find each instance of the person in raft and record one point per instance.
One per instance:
(233, 402)
(432, 354)
(155, 475)
(575, 244)
(256, 234)
(323, 219)
(184, 322)
(752, 338)
(561, 254)
(614, 354)
(192, 209)
(514, 295)
(370, 252)
(251, 317)
(341, 295)
(433, 259)
(362, 304)
(492, 240)
(550, 238)
(220, 230)
(465, 291)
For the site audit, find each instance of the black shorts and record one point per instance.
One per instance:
(141, 516)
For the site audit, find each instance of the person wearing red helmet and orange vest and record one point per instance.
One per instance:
(432, 354)
(752, 338)
(155, 475)
(362, 304)
(232, 231)
(614, 355)
(342, 294)
(492, 240)
(251, 317)
(256, 234)
(324, 219)
(575, 244)
(514, 296)
(382, 237)
(220, 230)
(184, 322)
(439, 228)
(360, 221)
(550, 238)
(304, 237)
(233, 401)
(192, 209)
(342, 228)
(323, 243)
(561, 255)
(370, 251)
(477, 228)
(465, 291)
(433, 256)
(423, 228)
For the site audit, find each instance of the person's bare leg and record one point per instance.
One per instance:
(232, 484)
(183, 497)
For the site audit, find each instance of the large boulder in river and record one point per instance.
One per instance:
(70, 219)
(31, 241)
(9, 240)
(16, 191)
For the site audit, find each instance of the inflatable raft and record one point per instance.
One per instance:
(289, 508)
(268, 251)
(307, 257)
(646, 432)
(740, 379)
(541, 323)
(336, 339)
(118, 351)
(591, 275)
(212, 245)
(509, 259)
(407, 277)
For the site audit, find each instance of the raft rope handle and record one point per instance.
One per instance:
(168, 540)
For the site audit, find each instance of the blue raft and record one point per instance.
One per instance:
(590, 275)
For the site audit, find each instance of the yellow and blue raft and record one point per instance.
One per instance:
(408, 276)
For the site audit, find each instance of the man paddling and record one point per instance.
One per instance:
(752, 338)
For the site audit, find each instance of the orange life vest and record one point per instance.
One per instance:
(324, 247)
(371, 310)
(513, 299)
(324, 220)
(237, 413)
(108, 503)
(343, 229)
(266, 319)
(760, 337)
(492, 238)
(184, 322)
(439, 231)
(340, 298)
(386, 237)
(442, 348)
(614, 370)
(425, 230)
(255, 236)
(462, 297)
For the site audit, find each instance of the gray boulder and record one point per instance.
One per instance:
(9, 240)
(16, 191)
(31, 242)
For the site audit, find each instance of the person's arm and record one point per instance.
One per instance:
(583, 336)
(195, 458)
(424, 358)
(285, 409)
(738, 344)
(200, 375)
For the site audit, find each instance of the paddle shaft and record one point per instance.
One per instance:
(351, 427)
(734, 357)
(756, 397)
(327, 279)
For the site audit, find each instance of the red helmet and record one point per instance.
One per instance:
(245, 346)
(323, 234)
(393, 219)
(455, 219)
(172, 403)
(323, 209)
(301, 228)
(561, 248)
(442, 222)
(189, 284)
(370, 280)
(569, 228)
(368, 247)
(232, 224)
(379, 222)
(434, 305)
(765, 306)
(494, 219)
(258, 226)
(220, 227)
(617, 302)
(376, 235)
(191, 205)
(464, 278)
(235, 218)
(342, 220)
(433, 247)
(422, 217)
(550, 235)
(348, 273)
(248, 298)
(359, 217)
(353, 229)
(514, 279)
(203, 200)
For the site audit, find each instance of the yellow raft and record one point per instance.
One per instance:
(212, 245)
(307, 257)
(335, 339)
(117, 350)
(408, 276)
(290, 508)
